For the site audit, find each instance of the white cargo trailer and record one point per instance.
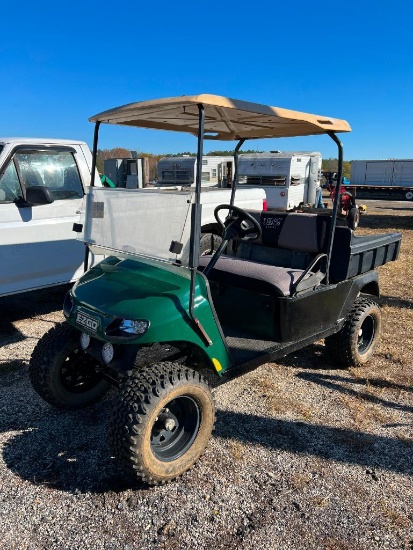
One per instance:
(176, 171)
(288, 178)
(390, 176)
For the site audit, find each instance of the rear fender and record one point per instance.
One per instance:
(367, 283)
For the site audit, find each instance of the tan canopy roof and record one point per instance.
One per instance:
(225, 118)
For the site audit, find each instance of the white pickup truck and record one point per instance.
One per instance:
(42, 184)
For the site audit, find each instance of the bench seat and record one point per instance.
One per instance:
(258, 277)
(282, 262)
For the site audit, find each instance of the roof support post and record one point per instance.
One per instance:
(200, 152)
(336, 203)
(92, 183)
(95, 153)
(235, 180)
(196, 210)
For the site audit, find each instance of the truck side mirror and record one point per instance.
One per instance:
(37, 195)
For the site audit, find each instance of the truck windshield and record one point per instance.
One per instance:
(138, 222)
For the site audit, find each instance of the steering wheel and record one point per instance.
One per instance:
(238, 223)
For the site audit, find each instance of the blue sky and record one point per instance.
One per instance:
(62, 62)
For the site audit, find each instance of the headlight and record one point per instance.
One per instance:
(124, 328)
(68, 305)
(131, 326)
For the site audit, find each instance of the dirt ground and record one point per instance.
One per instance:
(304, 455)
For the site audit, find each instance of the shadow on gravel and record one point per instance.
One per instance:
(29, 304)
(394, 207)
(64, 450)
(334, 382)
(314, 357)
(335, 444)
(380, 221)
(392, 301)
(69, 451)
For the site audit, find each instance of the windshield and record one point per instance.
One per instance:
(138, 222)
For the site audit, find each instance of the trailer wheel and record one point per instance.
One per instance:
(353, 217)
(209, 243)
(61, 373)
(409, 195)
(162, 422)
(355, 343)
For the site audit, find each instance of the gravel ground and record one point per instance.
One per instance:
(304, 456)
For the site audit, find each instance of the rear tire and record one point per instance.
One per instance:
(61, 373)
(355, 343)
(409, 195)
(162, 422)
(353, 218)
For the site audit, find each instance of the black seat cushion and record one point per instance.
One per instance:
(306, 232)
(263, 278)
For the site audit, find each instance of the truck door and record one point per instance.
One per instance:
(37, 244)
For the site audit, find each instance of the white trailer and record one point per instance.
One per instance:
(217, 171)
(393, 176)
(288, 178)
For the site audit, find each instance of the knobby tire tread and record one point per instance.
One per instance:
(42, 364)
(138, 399)
(339, 345)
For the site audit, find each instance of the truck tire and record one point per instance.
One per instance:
(353, 217)
(409, 195)
(162, 422)
(209, 243)
(61, 373)
(355, 343)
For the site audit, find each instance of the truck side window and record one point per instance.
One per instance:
(56, 170)
(9, 185)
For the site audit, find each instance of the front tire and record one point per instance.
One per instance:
(209, 243)
(355, 343)
(61, 373)
(162, 422)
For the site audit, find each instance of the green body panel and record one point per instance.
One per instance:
(155, 291)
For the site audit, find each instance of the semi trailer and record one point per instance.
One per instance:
(391, 177)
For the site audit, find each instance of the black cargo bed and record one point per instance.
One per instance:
(353, 255)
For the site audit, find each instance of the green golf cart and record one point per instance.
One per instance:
(154, 314)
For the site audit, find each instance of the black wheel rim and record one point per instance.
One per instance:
(175, 428)
(366, 334)
(78, 373)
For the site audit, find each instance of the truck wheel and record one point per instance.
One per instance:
(209, 243)
(162, 422)
(355, 343)
(61, 373)
(353, 217)
(409, 195)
